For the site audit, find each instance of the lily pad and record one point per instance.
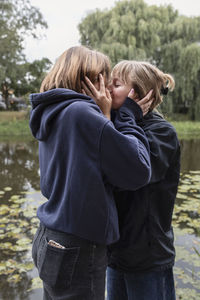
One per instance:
(7, 189)
(24, 242)
(4, 209)
(36, 284)
(14, 278)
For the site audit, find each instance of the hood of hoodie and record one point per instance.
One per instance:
(46, 106)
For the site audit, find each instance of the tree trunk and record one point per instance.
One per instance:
(5, 94)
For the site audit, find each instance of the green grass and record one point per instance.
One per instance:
(187, 129)
(15, 126)
(7, 116)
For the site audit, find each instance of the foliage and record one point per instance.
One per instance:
(17, 227)
(18, 18)
(134, 30)
(186, 224)
(187, 208)
(30, 76)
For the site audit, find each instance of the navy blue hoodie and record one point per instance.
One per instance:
(82, 156)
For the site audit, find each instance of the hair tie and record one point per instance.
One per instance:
(164, 90)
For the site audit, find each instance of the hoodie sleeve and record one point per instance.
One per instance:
(164, 147)
(124, 149)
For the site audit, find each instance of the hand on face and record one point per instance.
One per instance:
(119, 91)
(144, 103)
(99, 93)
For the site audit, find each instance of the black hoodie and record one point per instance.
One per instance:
(145, 215)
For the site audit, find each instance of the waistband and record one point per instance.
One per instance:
(68, 236)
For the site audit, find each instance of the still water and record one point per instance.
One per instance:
(20, 196)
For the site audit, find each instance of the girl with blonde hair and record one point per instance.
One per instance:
(82, 156)
(141, 262)
(142, 77)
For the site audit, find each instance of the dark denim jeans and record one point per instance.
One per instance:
(74, 273)
(140, 286)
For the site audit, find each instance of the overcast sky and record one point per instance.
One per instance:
(63, 17)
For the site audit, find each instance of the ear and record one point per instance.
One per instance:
(133, 95)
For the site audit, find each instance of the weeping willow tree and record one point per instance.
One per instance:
(158, 34)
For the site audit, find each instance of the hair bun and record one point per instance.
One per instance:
(164, 90)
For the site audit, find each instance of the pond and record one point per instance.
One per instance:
(20, 196)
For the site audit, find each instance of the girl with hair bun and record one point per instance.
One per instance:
(141, 262)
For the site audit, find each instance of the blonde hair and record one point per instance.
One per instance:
(72, 67)
(144, 76)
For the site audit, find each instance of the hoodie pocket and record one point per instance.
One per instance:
(56, 266)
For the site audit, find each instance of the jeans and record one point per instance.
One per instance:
(76, 272)
(153, 285)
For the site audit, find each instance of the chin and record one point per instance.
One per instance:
(115, 105)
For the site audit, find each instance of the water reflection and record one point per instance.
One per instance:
(20, 195)
(190, 155)
(19, 166)
(18, 175)
(19, 163)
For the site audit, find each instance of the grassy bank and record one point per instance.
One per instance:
(14, 126)
(187, 129)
